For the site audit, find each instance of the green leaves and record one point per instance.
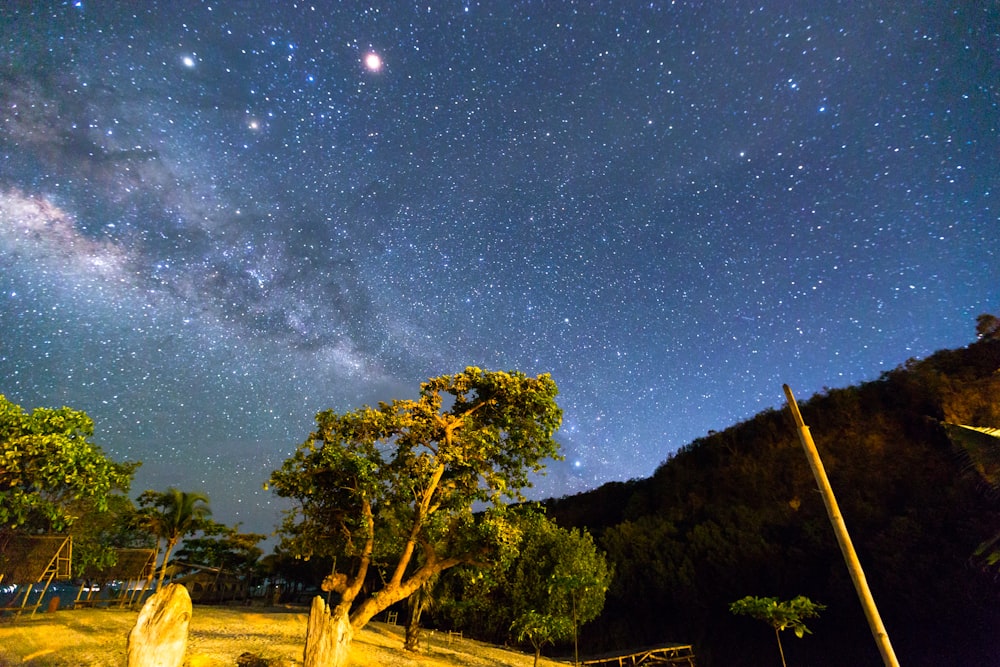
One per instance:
(540, 629)
(557, 583)
(47, 463)
(399, 480)
(417, 454)
(779, 615)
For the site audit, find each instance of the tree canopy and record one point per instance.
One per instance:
(557, 583)
(553, 584)
(779, 614)
(396, 484)
(48, 466)
(224, 547)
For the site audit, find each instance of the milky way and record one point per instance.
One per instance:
(219, 218)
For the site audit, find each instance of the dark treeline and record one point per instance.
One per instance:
(738, 513)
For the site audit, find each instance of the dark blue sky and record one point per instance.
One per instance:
(216, 219)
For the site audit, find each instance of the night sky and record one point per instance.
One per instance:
(218, 218)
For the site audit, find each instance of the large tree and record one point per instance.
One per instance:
(398, 483)
(171, 515)
(49, 467)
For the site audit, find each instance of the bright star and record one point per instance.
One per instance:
(188, 61)
(373, 62)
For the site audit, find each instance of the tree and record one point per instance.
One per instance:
(557, 583)
(779, 615)
(398, 483)
(48, 466)
(224, 547)
(170, 516)
(540, 629)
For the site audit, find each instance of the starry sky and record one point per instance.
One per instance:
(218, 218)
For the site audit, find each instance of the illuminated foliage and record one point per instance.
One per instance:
(557, 583)
(49, 467)
(395, 485)
(780, 615)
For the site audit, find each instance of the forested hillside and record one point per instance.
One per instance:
(738, 513)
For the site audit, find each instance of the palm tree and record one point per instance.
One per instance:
(171, 515)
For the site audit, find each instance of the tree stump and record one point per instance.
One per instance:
(328, 639)
(159, 638)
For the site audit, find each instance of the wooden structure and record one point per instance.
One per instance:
(671, 654)
(28, 560)
(133, 567)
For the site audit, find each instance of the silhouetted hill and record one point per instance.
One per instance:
(737, 513)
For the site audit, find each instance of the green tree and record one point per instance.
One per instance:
(170, 516)
(557, 583)
(49, 466)
(224, 547)
(401, 480)
(539, 629)
(779, 615)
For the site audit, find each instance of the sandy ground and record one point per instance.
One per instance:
(217, 636)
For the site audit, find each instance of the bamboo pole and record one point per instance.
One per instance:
(843, 538)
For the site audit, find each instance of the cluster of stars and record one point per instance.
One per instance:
(672, 209)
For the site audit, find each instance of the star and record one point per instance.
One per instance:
(373, 61)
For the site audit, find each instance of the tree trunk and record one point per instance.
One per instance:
(781, 649)
(159, 638)
(417, 603)
(411, 641)
(328, 637)
(171, 543)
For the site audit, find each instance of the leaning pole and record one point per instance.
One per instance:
(843, 538)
